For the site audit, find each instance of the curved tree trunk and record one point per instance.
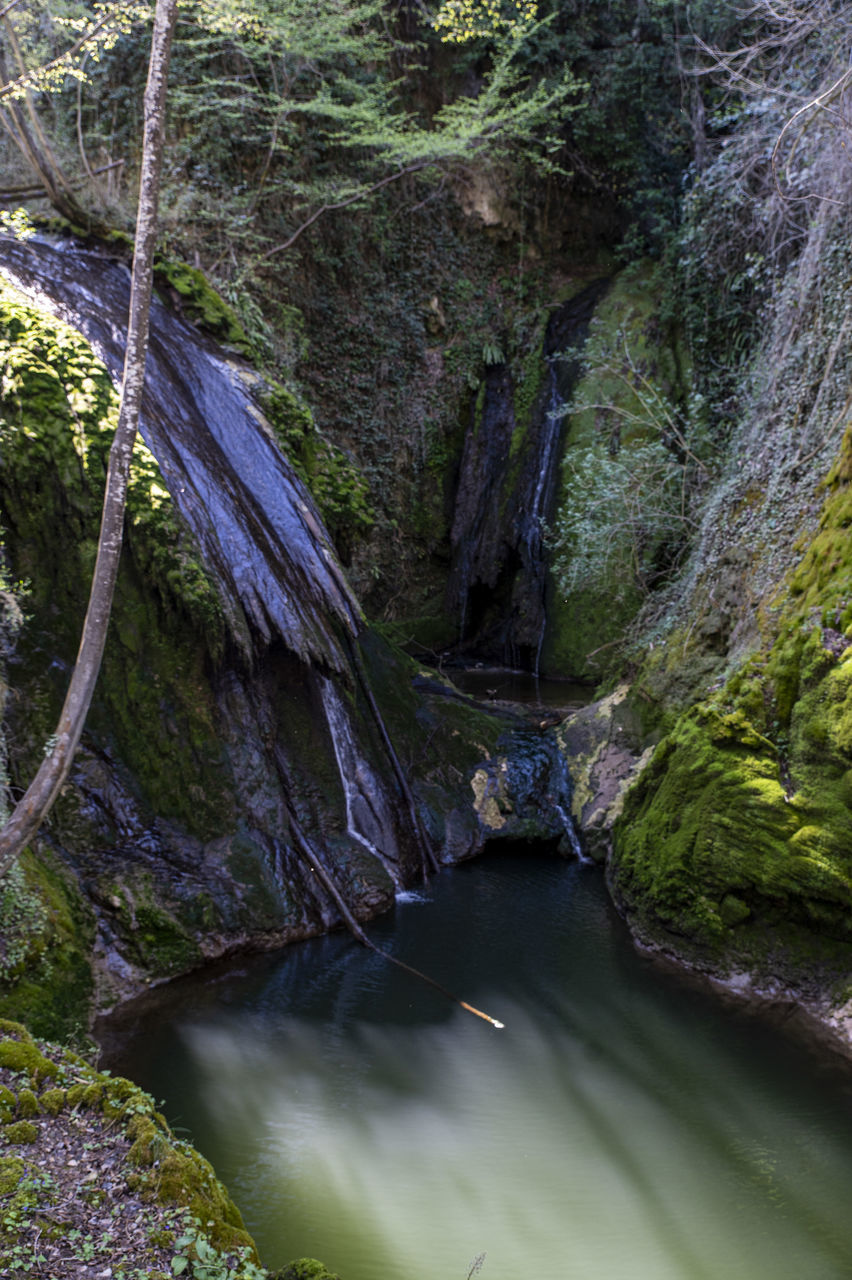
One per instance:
(53, 771)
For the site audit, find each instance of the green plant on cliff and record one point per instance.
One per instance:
(637, 463)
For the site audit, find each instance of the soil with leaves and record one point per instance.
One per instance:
(95, 1186)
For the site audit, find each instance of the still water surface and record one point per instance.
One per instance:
(623, 1125)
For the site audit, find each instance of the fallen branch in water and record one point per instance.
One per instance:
(327, 880)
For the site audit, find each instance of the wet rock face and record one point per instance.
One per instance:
(258, 528)
(505, 494)
(603, 757)
(523, 793)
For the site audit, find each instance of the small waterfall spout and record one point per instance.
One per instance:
(369, 817)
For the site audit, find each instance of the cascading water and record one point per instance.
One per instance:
(499, 576)
(292, 615)
(368, 811)
(258, 528)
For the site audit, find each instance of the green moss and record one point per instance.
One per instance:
(58, 412)
(11, 1173)
(8, 1103)
(158, 1166)
(27, 1104)
(743, 821)
(52, 1101)
(305, 1269)
(174, 1173)
(24, 1056)
(340, 490)
(195, 297)
(57, 419)
(20, 1133)
(74, 1095)
(45, 976)
(528, 385)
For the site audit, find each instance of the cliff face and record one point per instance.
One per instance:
(733, 848)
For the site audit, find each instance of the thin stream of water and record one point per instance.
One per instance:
(624, 1124)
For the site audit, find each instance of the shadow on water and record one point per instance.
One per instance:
(624, 1124)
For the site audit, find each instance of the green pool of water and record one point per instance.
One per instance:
(624, 1124)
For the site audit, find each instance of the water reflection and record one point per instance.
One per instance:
(623, 1125)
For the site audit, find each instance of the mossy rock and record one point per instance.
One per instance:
(74, 1095)
(20, 1132)
(12, 1170)
(304, 1269)
(738, 836)
(52, 1101)
(24, 1056)
(27, 1104)
(8, 1104)
(709, 838)
(196, 298)
(45, 976)
(340, 490)
(179, 1175)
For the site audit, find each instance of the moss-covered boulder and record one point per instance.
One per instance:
(737, 838)
(305, 1269)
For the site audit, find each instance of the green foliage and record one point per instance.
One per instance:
(636, 463)
(44, 966)
(462, 20)
(199, 1259)
(340, 490)
(23, 918)
(636, 135)
(51, 44)
(628, 511)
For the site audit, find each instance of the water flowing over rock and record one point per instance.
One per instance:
(368, 812)
(260, 792)
(257, 526)
(498, 581)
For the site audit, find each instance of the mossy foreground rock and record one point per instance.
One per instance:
(305, 1269)
(79, 1149)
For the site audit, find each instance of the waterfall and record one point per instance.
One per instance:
(369, 818)
(259, 531)
(290, 609)
(499, 575)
